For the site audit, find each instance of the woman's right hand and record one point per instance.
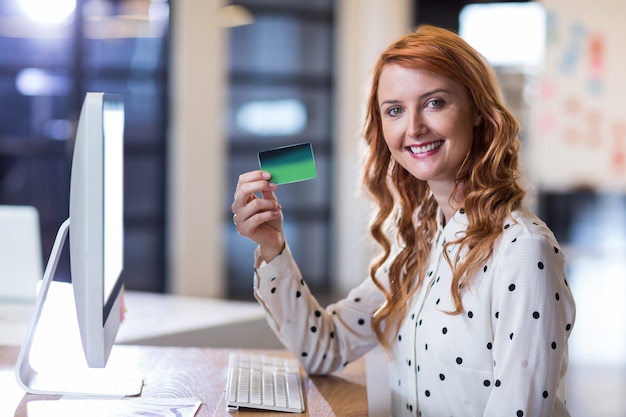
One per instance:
(259, 219)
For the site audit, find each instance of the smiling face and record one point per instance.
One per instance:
(427, 122)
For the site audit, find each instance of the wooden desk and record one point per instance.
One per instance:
(171, 372)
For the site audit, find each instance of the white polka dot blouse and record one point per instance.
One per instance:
(505, 355)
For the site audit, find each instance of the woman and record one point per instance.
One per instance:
(470, 295)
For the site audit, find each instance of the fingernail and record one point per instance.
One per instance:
(267, 175)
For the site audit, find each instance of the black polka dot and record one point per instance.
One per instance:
(506, 226)
(536, 315)
(568, 327)
(318, 313)
(545, 394)
(519, 413)
(485, 268)
(511, 336)
(408, 362)
(298, 294)
(273, 290)
(313, 329)
(497, 314)
(444, 330)
(356, 300)
(514, 240)
(489, 345)
(273, 279)
(497, 383)
(540, 265)
(426, 346)
(553, 345)
(557, 296)
(412, 316)
(459, 360)
(512, 287)
(442, 377)
(556, 250)
(301, 282)
(470, 314)
(332, 335)
(427, 393)
(486, 382)
(304, 354)
(419, 322)
(399, 338)
(462, 210)
(438, 300)
(361, 322)
(345, 363)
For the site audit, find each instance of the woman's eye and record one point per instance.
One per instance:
(435, 103)
(394, 111)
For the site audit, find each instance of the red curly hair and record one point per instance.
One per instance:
(407, 209)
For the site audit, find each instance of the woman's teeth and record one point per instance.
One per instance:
(425, 148)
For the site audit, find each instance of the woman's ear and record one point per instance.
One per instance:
(478, 119)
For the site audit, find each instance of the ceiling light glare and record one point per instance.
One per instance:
(48, 11)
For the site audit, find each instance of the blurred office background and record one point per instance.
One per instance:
(209, 83)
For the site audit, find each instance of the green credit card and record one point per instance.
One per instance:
(288, 164)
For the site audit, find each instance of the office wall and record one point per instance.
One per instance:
(579, 138)
(196, 150)
(364, 29)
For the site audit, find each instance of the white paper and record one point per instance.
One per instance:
(128, 407)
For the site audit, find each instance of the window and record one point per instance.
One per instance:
(280, 93)
(52, 54)
(507, 34)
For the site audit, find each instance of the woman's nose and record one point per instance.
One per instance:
(417, 125)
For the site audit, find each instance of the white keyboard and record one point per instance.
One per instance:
(264, 382)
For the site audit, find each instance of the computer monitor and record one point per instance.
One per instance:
(96, 244)
(96, 223)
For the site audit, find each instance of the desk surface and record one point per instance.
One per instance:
(171, 372)
(156, 320)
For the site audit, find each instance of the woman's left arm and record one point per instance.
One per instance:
(533, 312)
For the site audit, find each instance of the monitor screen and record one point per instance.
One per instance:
(96, 223)
(113, 179)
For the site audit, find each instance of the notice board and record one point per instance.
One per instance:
(578, 111)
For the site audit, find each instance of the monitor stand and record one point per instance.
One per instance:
(72, 379)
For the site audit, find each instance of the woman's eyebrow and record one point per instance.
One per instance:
(382, 103)
(435, 91)
(421, 96)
